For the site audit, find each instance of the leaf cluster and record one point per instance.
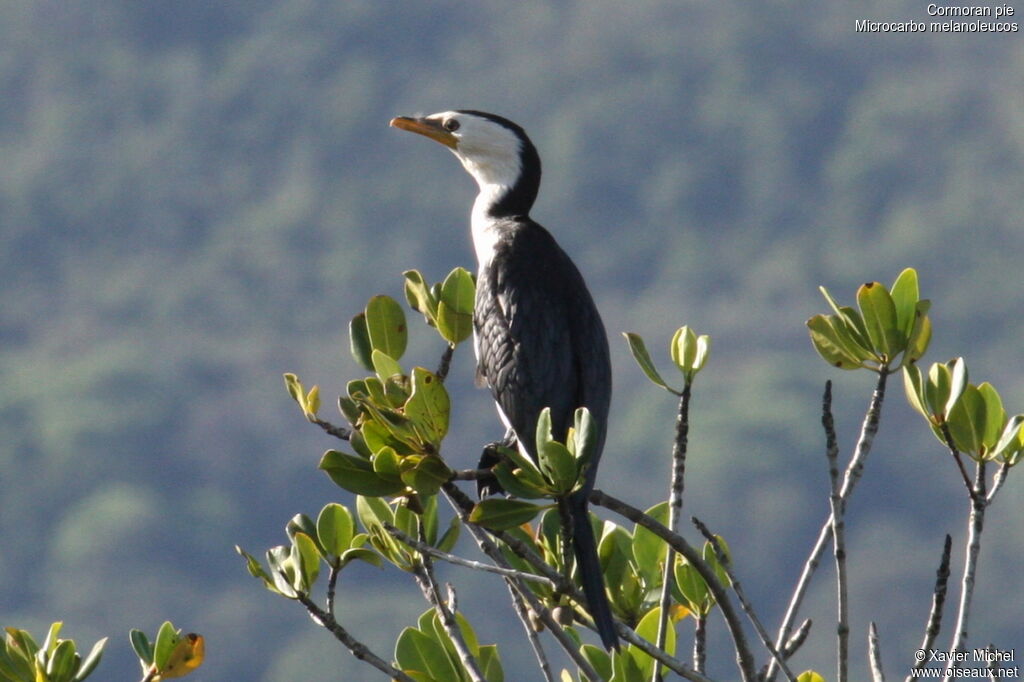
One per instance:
(56, 660)
(170, 655)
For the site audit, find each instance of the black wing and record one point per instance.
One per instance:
(539, 338)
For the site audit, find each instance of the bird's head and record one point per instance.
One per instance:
(495, 151)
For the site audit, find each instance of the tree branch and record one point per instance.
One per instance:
(424, 572)
(874, 655)
(931, 630)
(975, 525)
(854, 471)
(836, 507)
(674, 509)
(336, 431)
(357, 648)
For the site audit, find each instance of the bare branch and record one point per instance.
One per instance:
(931, 630)
(446, 362)
(429, 550)
(531, 634)
(975, 525)
(357, 648)
(744, 659)
(700, 642)
(674, 509)
(997, 483)
(854, 471)
(874, 655)
(336, 431)
(837, 508)
(424, 572)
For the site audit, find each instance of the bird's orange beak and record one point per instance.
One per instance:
(426, 127)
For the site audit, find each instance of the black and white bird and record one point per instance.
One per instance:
(539, 339)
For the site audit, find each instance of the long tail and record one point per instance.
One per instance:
(585, 547)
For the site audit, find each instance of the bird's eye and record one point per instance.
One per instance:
(451, 125)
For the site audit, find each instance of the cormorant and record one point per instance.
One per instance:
(538, 337)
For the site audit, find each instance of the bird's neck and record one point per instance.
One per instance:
(485, 222)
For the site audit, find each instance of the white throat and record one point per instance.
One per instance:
(483, 224)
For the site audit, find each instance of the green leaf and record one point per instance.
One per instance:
(417, 294)
(91, 661)
(384, 365)
(995, 416)
(879, 313)
(905, 296)
(166, 639)
(416, 651)
(140, 642)
(308, 558)
(584, 437)
(650, 551)
(501, 514)
(427, 474)
(490, 663)
(1011, 442)
(831, 341)
(385, 324)
(599, 659)
(335, 528)
(355, 474)
(920, 335)
(648, 629)
(524, 483)
(450, 536)
(63, 661)
(913, 386)
(428, 407)
(957, 371)
(683, 349)
(967, 420)
(359, 341)
(937, 389)
(554, 459)
(373, 512)
(455, 309)
(639, 350)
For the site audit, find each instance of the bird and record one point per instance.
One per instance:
(538, 336)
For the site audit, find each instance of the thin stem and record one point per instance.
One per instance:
(436, 553)
(956, 456)
(975, 525)
(931, 630)
(424, 571)
(723, 561)
(531, 634)
(357, 648)
(744, 659)
(446, 362)
(336, 431)
(874, 654)
(700, 642)
(997, 483)
(854, 471)
(332, 585)
(674, 511)
(836, 507)
(150, 674)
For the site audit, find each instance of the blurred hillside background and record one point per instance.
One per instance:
(196, 196)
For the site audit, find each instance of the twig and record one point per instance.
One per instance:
(854, 471)
(931, 630)
(674, 510)
(424, 572)
(700, 642)
(873, 654)
(744, 659)
(446, 362)
(975, 524)
(748, 609)
(150, 674)
(429, 550)
(839, 536)
(471, 474)
(998, 481)
(357, 648)
(336, 431)
(531, 634)
(948, 436)
(992, 664)
(332, 585)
